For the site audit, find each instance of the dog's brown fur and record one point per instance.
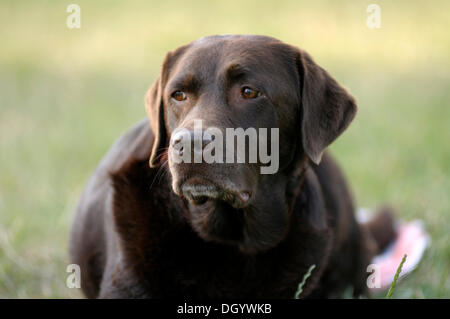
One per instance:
(134, 237)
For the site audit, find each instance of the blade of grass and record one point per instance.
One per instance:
(305, 277)
(397, 274)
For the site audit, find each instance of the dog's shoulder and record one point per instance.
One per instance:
(135, 143)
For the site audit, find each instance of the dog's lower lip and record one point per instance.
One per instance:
(200, 191)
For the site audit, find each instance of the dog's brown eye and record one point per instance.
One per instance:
(249, 93)
(179, 95)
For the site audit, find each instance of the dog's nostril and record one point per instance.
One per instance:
(177, 138)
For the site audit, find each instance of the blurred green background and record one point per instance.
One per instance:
(67, 94)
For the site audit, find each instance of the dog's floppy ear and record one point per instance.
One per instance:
(155, 109)
(154, 104)
(327, 108)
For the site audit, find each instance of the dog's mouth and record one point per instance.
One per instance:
(223, 213)
(200, 192)
(216, 211)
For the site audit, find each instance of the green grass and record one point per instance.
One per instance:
(397, 274)
(303, 282)
(65, 95)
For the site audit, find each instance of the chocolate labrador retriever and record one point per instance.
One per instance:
(148, 226)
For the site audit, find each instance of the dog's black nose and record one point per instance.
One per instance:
(196, 140)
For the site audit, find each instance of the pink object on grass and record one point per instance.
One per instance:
(412, 240)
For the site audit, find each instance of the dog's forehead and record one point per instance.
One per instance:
(214, 54)
(244, 48)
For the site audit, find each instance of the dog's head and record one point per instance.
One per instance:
(284, 105)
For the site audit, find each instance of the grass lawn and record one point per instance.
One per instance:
(66, 95)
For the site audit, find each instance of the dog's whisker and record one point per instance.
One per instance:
(159, 173)
(163, 153)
